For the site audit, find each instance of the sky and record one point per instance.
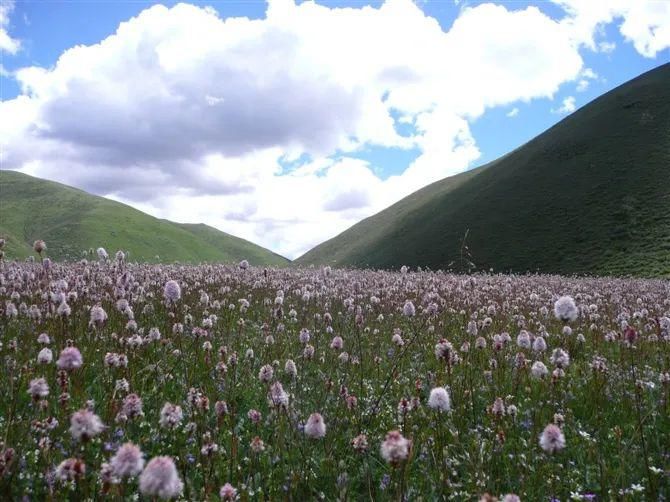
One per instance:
(286, 122)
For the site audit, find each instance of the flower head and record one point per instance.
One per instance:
(395, 448)
(161, 479)
(266, 373)
(128, 461)
(38, 388)
(69, 359)
(172, 291)
(439, 399)
(171, 416)
(360, 443)
(337, 343)
(39, 246)
(45, 356)
(315, 427)
(84, 425)
(552, 439)
(70, 469)
(98, 316)
(539, 370)
(227, 492)
(565, 309)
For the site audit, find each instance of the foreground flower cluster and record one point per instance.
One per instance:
(242, 383)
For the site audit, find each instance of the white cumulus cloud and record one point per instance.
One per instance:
(644, 23)
(567, 106)
(254, 126)
(7, 43)
(513, 112)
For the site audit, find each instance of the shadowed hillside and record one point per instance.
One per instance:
(590, 195)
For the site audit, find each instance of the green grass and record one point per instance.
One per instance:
(72, 221)
(591, 195)
(615, 420)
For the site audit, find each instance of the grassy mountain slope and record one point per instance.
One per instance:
(71, 221)
(589, 195)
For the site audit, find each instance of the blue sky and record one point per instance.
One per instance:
(367, 143)
(46, 29)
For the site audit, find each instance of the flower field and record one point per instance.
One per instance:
(146, 382)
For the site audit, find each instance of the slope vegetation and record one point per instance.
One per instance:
(591, 195)
(72, 221)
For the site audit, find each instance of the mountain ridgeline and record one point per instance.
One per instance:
(72, 221)
(591, 195)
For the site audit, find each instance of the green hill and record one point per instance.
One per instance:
(72, 221)
(589, 195)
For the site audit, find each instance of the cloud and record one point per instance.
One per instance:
(7, 43)
(644, 23)
(647, 25)
(513, 112)
(585, 77)
(567, 106)
(582, 85)
(606, 47)
(253, 126)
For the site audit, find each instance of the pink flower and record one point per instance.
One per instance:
(304, 335)
(39, 246)
(128, 461)
(266, 373)
(498, 407)
(227, 492)
(45, 356)
(290, 368)
(38, 388)
(172, 291)
(552, 439)
(257, 445)
(171, 416)
(360, 443)
(315, 427)
(85, 424)
(565, 309)
(70, 469)
(439, 399)
(278, 396)
(395, 448)
(132, 406)
(255, 416)
(161, 479)
(69, 359)
(560, 358)
(98, 316)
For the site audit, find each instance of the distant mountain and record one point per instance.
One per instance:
(72, 221)
(591, 195)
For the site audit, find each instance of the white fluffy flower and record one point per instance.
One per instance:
(439, 399)
(161, 479)
(84, 425)
(315, 427)
(128, 461)
(45, 356)
(539, 369)
(565, 309)
(395, 448)
(552, 439)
